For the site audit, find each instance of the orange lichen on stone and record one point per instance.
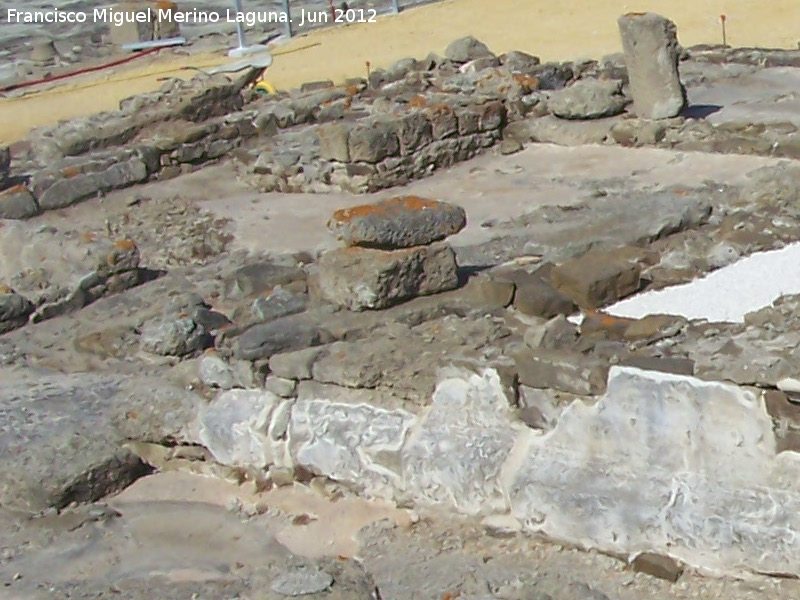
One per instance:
(393, 205)
(125, 244)
(529, 83)
(635, 14)
(69, 172)
(4, 289)
(88, 237)
(418, 102)
(351, 90)
(597, 321)
(14, 189)
(166, 5)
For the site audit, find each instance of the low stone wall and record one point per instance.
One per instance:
(621, 474)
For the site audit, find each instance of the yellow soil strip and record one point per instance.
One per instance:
(564, 30)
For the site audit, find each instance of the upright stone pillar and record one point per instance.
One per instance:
(650, 43)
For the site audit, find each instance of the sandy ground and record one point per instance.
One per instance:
(555, 31)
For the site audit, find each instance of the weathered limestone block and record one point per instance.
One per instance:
(552, 130)
(14, 309)
(62, 436)
(216, 372)
(562, 370)
(444, 122)
(455, 454)
(60, 272)
(534, 296)
(466, 49)
(364, 278)
(588, 99)
(490, 290)
(520, 62)
(177, 337)
(75, 185)
(598, 278)
(297, 364)
(372, 142)
(414, 131)
(400, 222)
(491, 116)
(17, 202)
(353, 443)
(333, 141)
(293, 332)
(234, 428)
(279, 303)
(649, 468)
(285, 388)
(259, 278)
(651, 54)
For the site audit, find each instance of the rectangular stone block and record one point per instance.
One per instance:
(444, 122)
(364, 278)
(414, 132)
(372, 142)
(651, 54)
(69, 190)
(570, 372)
(333, 142)
(598, 278)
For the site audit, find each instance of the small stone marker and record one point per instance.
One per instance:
(651, 54)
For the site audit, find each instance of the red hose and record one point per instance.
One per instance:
(113, 63)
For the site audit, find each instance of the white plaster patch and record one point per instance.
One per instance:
(725, 295)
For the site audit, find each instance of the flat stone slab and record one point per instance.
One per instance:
(62, 436)
(396, 223)
(766, 96)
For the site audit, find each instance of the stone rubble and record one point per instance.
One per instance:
(416, 364)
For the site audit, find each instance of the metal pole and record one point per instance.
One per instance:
(239, 24)
(288, 18)
(396, 6)
(243, 48)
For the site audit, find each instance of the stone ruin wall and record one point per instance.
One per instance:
(521, 433)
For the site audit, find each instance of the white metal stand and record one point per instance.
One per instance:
(243, 49)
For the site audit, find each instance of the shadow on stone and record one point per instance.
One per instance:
(700, 111)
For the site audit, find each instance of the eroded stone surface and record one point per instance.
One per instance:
(651, 55)
(588, 99)
(234, 428)
(354, 443)
(364, 278)
(455, 455)
(649, 468)
(396, 223)
(61, 436)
